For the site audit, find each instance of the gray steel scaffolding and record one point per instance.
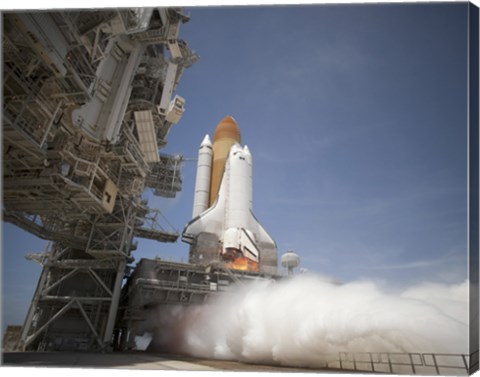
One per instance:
(87, 104)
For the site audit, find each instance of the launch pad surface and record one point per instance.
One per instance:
(398, 363)
(133, 360)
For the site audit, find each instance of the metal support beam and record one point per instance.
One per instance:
(89, 323)
(59, 281)
(100, 281)
(32, 337)
(112, 313)
(32, 309)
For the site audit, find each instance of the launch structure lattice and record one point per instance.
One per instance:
(87, 104)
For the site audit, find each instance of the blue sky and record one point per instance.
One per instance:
(356, 117)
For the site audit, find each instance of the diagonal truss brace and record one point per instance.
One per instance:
(32, 337)
(100, 281)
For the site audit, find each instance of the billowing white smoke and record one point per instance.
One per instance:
(306, 321)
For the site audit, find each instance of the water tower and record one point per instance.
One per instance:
(290, 260)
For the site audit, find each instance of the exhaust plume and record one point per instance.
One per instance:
(305, 321)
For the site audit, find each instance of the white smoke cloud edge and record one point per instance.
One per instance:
(307, 321)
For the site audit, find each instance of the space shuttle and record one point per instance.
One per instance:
(223, 227)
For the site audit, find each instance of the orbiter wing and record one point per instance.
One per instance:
(209, 221)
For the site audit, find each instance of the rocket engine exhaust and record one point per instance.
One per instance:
(240, 263)
(306, 321)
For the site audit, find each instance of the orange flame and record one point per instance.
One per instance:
(242, 264)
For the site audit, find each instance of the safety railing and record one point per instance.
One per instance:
(405, 363)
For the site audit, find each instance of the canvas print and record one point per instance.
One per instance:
(262, 188)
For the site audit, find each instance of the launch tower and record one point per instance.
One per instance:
(87, 104)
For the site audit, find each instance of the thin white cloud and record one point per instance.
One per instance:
(403, 266)
(449, 258)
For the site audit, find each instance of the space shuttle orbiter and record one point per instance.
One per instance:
(223, 227)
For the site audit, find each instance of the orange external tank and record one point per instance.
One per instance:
(226, 134)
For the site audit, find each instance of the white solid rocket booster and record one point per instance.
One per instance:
(202, 181)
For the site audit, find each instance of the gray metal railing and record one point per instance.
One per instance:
(405, 363)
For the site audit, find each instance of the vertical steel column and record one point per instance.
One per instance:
(112, 313)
